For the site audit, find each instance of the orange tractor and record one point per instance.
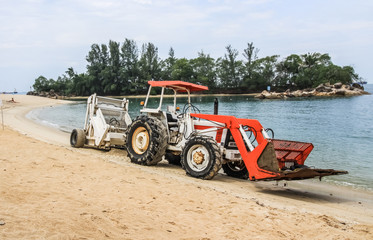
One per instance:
(201, 143)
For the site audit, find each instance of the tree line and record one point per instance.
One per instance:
(124, 69)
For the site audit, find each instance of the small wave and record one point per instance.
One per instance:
(358, 186)
(50, 124)
(65, 129)
(34, 115)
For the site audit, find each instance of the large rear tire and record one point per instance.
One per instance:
(236, 169)
(201, 158)
(77, 138)
(146, 140)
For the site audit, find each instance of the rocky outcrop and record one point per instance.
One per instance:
(322, 90)
(50, 94)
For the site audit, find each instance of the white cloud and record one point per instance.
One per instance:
(51, 36)
(143, 1)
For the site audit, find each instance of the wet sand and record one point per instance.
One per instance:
(52, 191)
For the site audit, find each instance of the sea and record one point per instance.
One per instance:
(340, 128)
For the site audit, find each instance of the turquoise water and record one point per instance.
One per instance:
(340, 128)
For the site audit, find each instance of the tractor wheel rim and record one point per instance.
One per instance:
(198, 158)
(140, 140)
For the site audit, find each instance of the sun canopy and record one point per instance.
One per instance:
(178, 86)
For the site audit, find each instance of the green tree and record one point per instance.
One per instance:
(41, 84)
(182, 70)
(333, 74)
(287, 71)
(264, 73)
(61, 85)
(80, 85)
(97, 63)
(149, 66)
(110, 74)
(311, 69)
(130, 66)
(204, 70)
(168, 65)
(250, 54)
(230, 69)
(116, 69)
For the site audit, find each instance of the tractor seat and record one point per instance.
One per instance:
(172, 122)
(170, 118)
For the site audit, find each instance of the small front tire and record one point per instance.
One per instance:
(77, 138)
(201, 158)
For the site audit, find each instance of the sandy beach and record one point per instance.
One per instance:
(49, 190)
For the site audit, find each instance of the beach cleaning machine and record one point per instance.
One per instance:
(201, 143)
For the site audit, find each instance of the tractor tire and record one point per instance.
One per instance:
(146, 140)
(201, 158)
(77, 138)
(173, 159)
(236, 169)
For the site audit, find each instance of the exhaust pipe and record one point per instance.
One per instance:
(216, 106)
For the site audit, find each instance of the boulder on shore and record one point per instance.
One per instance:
(270, 95)
(50, 94)
(338, 85)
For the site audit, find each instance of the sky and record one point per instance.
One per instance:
(46, 37)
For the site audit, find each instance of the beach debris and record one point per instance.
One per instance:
(2, 222)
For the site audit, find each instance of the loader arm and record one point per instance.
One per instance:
(250, 158)
(266, 160)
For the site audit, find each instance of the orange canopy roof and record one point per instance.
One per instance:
(179, 86)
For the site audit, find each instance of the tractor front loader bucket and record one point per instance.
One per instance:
(271, 159)
(291, 156)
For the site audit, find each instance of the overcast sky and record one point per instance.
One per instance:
(45, 37)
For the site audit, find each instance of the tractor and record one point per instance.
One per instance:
(202, 144)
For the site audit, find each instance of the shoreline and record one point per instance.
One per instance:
(15, 118)
(325, 181)
(308, 206)
(34, 114)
